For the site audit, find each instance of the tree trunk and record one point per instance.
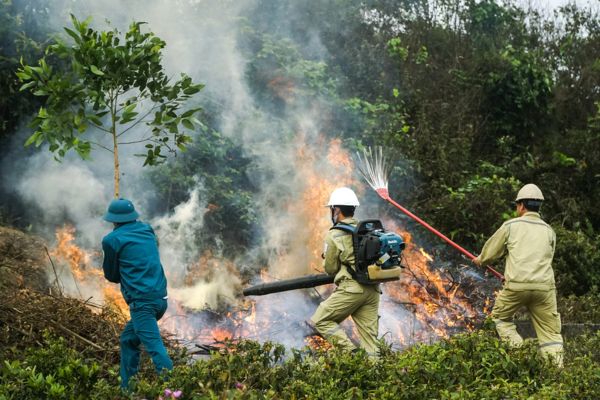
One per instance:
(116, 158)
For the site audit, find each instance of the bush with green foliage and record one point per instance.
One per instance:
(467, 366)
(53, 371)
(479, 200)
(580, 309)
(576, 262)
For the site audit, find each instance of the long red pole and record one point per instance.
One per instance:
(386, 196)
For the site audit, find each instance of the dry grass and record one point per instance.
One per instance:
(29, 306)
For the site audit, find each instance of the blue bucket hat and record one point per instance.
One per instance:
(121, 210)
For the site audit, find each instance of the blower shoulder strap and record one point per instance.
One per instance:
(350, 229)
(354, 231)
(344, 227)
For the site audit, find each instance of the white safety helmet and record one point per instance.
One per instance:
(343, 197)
(530, 192)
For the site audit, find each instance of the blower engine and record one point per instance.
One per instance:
(377, 252)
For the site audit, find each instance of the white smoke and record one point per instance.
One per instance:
(65, 192)
(176, 234)
(220, 291)
(202, 41)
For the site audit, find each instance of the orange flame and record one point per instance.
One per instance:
(85, 274)
(438, 302)
(317, 342)
(68, 252)
(432, 300)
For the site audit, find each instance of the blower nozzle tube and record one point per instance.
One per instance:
(288, 284)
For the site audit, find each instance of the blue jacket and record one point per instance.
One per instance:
(131, 258)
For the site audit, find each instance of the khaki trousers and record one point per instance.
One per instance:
(361, 302)
(541, 305)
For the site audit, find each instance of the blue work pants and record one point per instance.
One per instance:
(142, 328)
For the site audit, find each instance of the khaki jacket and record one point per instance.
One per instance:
(339, 252)
(530, 243)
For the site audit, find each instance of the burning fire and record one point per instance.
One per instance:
(317, 342)
(424, 305)
(320, 182)
(439, 304)
(88, 279)
(67, 251)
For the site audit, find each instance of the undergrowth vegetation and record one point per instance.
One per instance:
(466, 366)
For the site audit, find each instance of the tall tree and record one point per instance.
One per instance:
(111, 84)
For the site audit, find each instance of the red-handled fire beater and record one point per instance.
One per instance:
(384, 194)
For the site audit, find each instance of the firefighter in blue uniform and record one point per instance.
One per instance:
(131, 259)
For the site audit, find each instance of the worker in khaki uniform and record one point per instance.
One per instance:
(349, 298)
(529, 244)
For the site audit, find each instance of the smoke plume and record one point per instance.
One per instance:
(295, 166)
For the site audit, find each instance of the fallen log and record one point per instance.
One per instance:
(288, 284)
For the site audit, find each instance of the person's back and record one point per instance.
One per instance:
(131, 259)
(140, 270)
(530, 244)
(337, 263)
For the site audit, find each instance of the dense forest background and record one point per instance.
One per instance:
(471, 98)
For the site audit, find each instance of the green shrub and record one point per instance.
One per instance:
(466, 366)
(53, 371)
(584, 346)
(467, 213)
(580, 309)
(576, 262)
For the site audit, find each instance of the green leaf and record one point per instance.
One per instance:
(190, 112)
(32, 138)
(39, 140)
(96, 71)
(196, 121)
(81, 127)
(73, 35)
(23, 76)
(95, 119)
(83, 149)
(191, 90)
(128, 117)
(27, 86)
(187, 123)
(129, 108)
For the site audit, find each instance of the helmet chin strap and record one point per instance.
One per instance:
(335, 213)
